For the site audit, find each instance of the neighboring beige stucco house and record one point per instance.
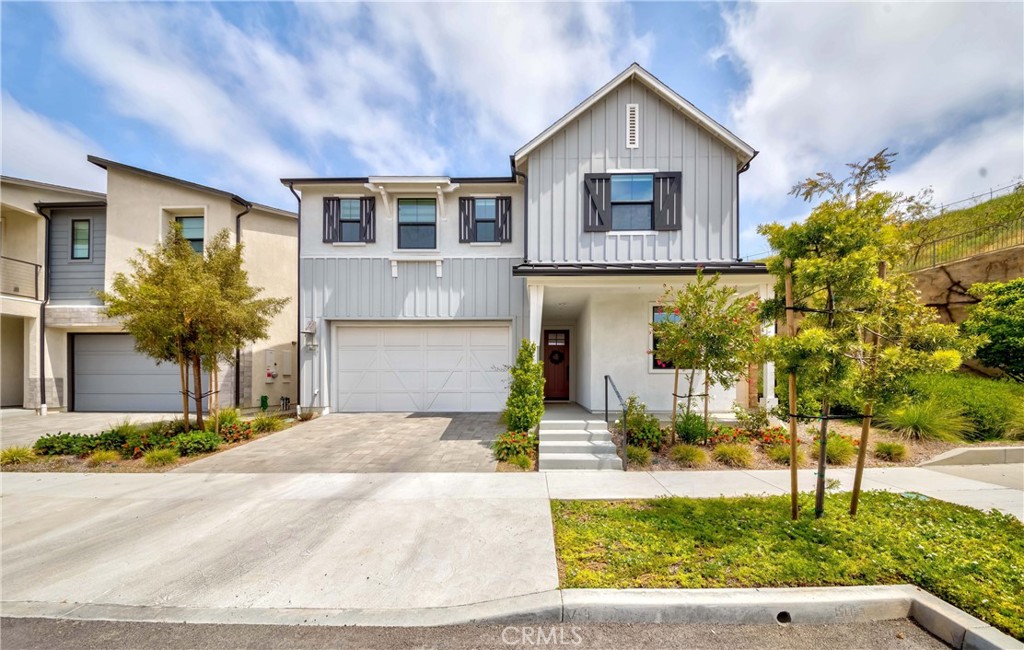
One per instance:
(90, 364)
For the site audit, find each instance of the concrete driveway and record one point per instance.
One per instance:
(368, 442)
(24, 427)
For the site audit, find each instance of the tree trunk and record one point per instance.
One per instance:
(819, 494)
(675, 404)
(707, 384)
(689, 392)
(197, 376)
(183, 374)
(865, 428)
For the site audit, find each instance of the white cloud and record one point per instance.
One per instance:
(37, 148)
(831, 83)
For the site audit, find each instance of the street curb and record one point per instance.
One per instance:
(796, 606)
(978, 456)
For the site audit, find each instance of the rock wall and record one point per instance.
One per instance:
(945, 287)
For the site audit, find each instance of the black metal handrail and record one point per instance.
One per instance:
(962, 245)
(625, 433)
(19, 278)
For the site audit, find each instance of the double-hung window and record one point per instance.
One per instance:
(659, 316)
(486, 215)
(192, 230)
(349, 220)
(632, 201)
(81, 237)
(417, 223)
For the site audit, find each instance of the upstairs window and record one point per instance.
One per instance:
(632, 201)
(486, 214)
(192, 230)
(349, 220)
(417, 224)
(485, 219)
(81, 239)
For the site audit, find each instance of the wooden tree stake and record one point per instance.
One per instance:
(791, 332)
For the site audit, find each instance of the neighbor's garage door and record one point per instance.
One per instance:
(421, 367)
(110, 375)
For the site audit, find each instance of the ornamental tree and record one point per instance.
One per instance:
(860, 331)
(1000, 318)
(708, 328)
(525, 405)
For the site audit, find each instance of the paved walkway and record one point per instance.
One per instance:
(24, 426)
(368, 443)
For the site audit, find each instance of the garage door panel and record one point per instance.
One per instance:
(421, 367)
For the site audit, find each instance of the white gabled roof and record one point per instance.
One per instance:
(635, 71)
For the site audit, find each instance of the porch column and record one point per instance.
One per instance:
(768, 369)
(536, 298)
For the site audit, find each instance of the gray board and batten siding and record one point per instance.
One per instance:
(76, 281)
(595, 142)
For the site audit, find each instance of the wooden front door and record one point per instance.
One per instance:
(556, 364)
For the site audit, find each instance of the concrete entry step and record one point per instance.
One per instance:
(577, 447)
(582, 425)
(577, 436)
(579, 461)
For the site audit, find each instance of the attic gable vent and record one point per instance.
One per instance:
(632, 126)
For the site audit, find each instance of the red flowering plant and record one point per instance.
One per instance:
(728, 435)
(514, 443)
(236, 432)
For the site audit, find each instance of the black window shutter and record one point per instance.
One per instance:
(368, 219)
(668, 201)
(332, 220)
(504, 218)
(597, 210)
(467, 222)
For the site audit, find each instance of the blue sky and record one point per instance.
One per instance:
(237, 95)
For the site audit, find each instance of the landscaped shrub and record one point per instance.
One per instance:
(226, 417)
(891, 451)
(642, 429)
(995, 408)
(306, 416)
(154, 436)
(157, 457)
(734, 455)
(196, 442)
(522, 461)
(729, 435)
(101, 456)
(839, 449)
(231, 433)
(638, 455)
(690, 428)
(65, 444)
(926, 420)
(771, 436)
(688, 456)
(264, 423)
(779, 453)
(513, 443)
(524, 407)
(16, 456)
(753, 420)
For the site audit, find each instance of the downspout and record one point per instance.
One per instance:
(298, 299)
(238, 352)
(42, 311)
(744, 168)
(526, 207)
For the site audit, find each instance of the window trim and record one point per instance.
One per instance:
(398, 224)
(612, 202)
(71, 240)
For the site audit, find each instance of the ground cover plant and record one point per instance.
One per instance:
(971, 559)
(993, 408)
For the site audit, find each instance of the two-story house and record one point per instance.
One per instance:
(414, 291)
(80, 240)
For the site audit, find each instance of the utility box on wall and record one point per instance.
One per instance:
(271, 363)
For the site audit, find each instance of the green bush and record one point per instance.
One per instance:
(752, 420)
(157, 457)
(994, 408)
(642, 429)
(688, 456)
(264, 423)
(231, 433)
(690, 428)
(734, 455)
(926, 420)
(999, 317)
(64, 444)
(891, 451)
(779, 453)
(513, 443)
(839, 450)
(522, 461)
(155, 436)
(525, 405)
(16, 456)
(638, 455)
(226, 417)
(101, 456)
(196, 442)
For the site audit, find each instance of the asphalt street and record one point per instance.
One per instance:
(54, 634)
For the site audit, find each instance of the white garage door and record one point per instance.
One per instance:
(421, 367)
(111, 376)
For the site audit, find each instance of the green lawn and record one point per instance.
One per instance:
(971, 559)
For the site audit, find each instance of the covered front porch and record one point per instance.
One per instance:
(591, 326)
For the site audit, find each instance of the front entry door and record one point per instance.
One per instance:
(556, 364)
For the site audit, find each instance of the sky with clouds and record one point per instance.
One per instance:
(237, 95)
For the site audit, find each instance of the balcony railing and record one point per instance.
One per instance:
(19, 278)
(967, 244)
